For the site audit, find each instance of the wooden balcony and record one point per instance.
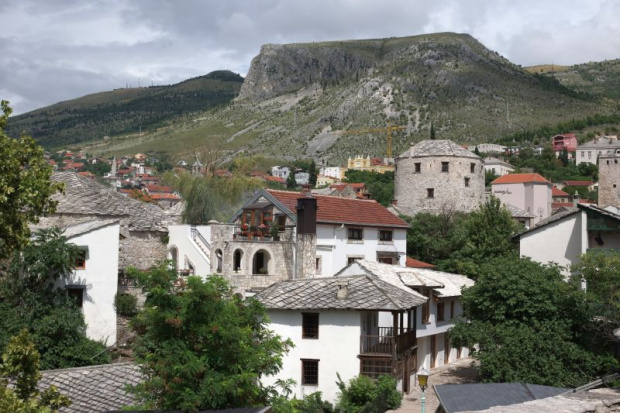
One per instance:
(385, 343)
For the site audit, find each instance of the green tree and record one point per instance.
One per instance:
(312, 173)
(476, 151)
(564, 157)
(380, 185)
(20, 366)
(33, 300)
(432, 135)
(202, 347)
(524, 323)
(25, 187)
(290, 180)
(489, 176)
(363, 395)
(600, 269)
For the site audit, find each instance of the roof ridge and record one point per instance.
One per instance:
(93, 367)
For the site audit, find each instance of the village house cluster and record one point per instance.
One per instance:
(330, 264)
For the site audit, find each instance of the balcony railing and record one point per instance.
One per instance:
(249, 233)
(386, 343)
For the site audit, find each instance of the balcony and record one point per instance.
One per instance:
(258, 234)
(384, 343)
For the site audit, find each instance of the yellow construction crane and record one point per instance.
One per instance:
(388, 130)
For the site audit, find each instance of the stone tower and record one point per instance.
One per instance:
(609, 180)
(436, 176)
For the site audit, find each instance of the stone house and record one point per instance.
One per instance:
(564, 236)
(143, 226)
(609, 181)
(438, 175)
(528, 192)
(434, 318)
(282, 235)
(334, 324)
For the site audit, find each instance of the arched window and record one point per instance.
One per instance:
(218, 260)
(260, 262)
(237, 256)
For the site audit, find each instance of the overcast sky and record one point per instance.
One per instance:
(53, 50)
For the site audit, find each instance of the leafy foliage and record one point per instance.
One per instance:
(125, 304)
(32, 300)
(312, 403)
(312, 173)
(380, 186)
(291, 183)
(25, 187)
(20, 366)
(363, 395)
(526, 324)
(202, 347)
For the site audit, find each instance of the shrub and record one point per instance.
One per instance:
(363, 395)
(125, 304)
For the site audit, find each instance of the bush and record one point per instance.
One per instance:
(363, 395)
(125, 304)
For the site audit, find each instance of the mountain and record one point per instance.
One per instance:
(597, 78)
(320, 99)
(125, 110)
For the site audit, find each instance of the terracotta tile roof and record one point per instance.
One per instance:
(157, 188)
(274, 179)
(557, 192)
(333, 209)
(413, 263)
(157, 197)
(520, 179)
(578, 183)
(558, 205)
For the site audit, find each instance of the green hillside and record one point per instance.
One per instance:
(123, 111)
(598, 78)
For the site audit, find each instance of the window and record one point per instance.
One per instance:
(309, 325)
(385, 260)
(472, 167)
(351, 260)
(418, 167)
(430, 192)
(310, 372)
(445, 167)
(80, 260)
(466, 181)
(452, 315)
(441, 316)
(356, 234)
(426, 308)
(375, 368)
(76, 293)
(385, 235)
(318, 265)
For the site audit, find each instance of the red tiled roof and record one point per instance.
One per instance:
(87, 173)
(335, 209)
(274, 179)
(578, 183)
(413, 263)
(520, 179)
(164, 196)
(557, 205)
(557, 192)
(157, 188)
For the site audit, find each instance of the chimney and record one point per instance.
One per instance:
(343, 290)
(305, 245)
(306, 214)
(576, 197)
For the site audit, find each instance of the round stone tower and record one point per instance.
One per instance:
(436, 176)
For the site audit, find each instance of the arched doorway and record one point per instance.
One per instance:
(260, 262)
(237, 256)
(218, 260)
(174, 257)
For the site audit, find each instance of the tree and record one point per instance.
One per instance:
(291, 183)
(33, 300)
(380, 185)
(363, 395)
(600, 269)
(564, 157)
(20, 366)
(25, 187)
(477, 151)
(202, 347)
(524, 323)
(432, 132)
(312, 173)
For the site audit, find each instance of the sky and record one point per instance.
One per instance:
(55, 50)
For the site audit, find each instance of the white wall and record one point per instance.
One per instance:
(334, 248)
(337, 348)
(561, 242)
(180, 237)
(100, 277)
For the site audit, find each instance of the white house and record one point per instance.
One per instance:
(497, 166)
(302, 178)
(94, 281)
(280, 171)
(528, 192)
(563, 237)
(334, 324)
(266, 240)
(601, 145)
(435, 317)
(488, 148)
(336, 172)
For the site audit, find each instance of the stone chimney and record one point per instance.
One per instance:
(305, 264)
(343, 290)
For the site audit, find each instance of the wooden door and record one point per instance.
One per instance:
(433, 351)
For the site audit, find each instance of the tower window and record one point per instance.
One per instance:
(472, 168)
(445, 167)
(466, 181)
(430, 192)
(418, 167)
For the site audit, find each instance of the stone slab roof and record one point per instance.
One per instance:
(233, 410)
(481, 396)
(84, 196)
(364, 293)
(443, 283)
(517, 212)
(94, 388)
(438, 148)
(496, 161)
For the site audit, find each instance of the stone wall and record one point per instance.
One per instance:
(459, 189)
(609, 181)
(142, 249)
(306, 256)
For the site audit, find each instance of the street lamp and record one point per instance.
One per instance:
(423, 382)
